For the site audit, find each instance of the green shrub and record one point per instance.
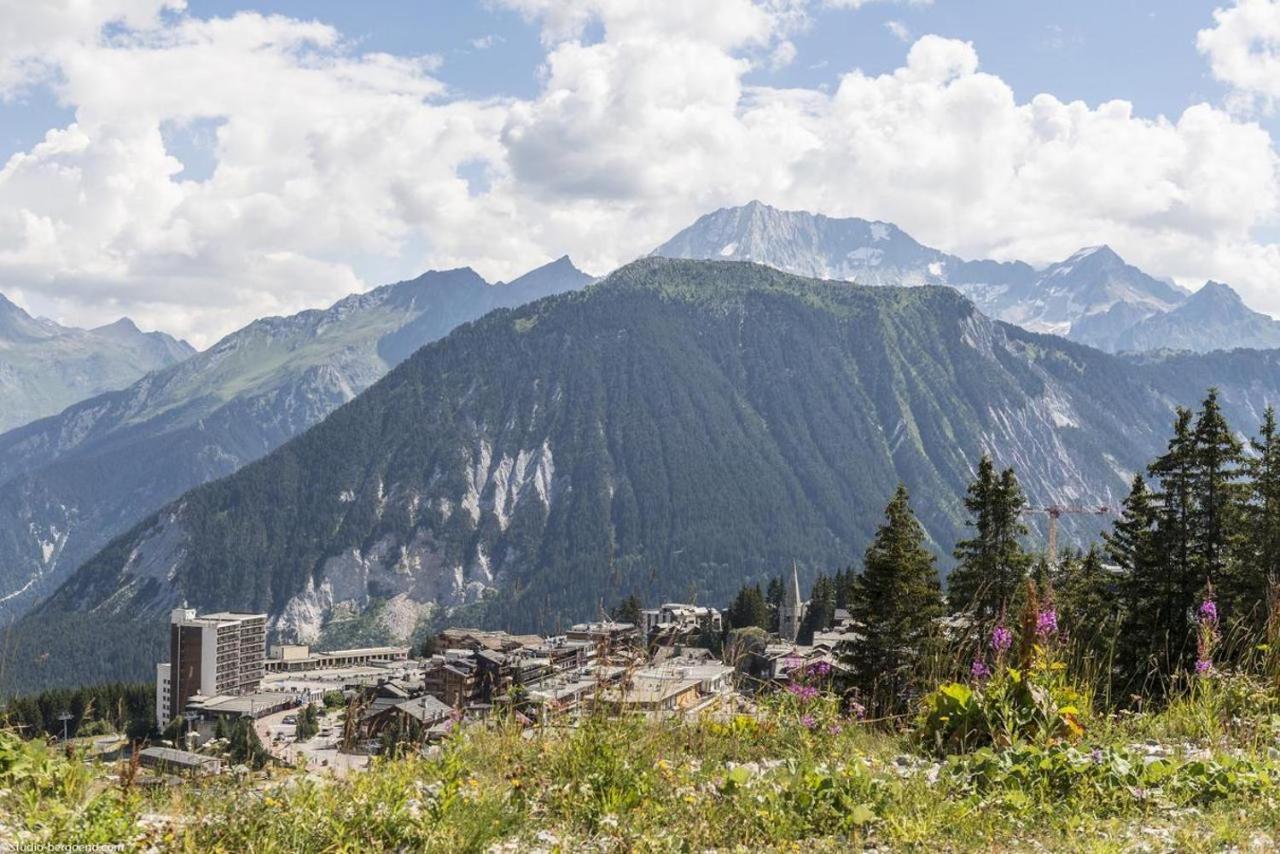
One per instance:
(1036, 704)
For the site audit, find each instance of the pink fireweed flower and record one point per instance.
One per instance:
(808, 722)
(1204, 667)
(835, 729)
(804, 692)
(1001, 639)
(859, 710)
(979, 671)
(1046, 623)
(1208, 611)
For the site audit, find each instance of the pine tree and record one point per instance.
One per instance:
(1146, 589)
(1262, 559)
(628, 611)
(1085, 595)
(898, 599)
(992, 563)
(1176, 470)
(748, 608)
(773, 600)
(1217, 530)
(821, 611)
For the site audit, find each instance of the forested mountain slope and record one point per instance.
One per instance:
(671, 432)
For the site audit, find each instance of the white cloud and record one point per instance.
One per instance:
(32, 35)
(858, 4)
(330, 161)
(1243, 48)
(898, 30)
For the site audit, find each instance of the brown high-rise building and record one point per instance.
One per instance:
(212, 655)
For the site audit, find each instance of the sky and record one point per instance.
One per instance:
(197, 165)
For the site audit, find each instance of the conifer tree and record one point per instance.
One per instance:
(748, 608)
(1085, 594)
(628, 611)
(1262, 561)
(1217, 530)
(821, 610)
(1176, 471)
(897, 601)
(992, 563)
(773, 599)
(1147, 589)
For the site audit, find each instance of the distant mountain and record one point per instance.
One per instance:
(70, 482)
(1090, 282)
(1093, 297)
(673, 431)
(45, 367)
(1214, 317)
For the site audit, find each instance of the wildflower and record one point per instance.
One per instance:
(979, 671)
(801, 690)
(1206, 634)
(835, 729)
(1046, 623)
(859, 710)
(808, 722)
(1001, 639)
(822, 668)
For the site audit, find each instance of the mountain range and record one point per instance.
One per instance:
(1093, 297)
(70, 482)
(672, 431)
(45, 367)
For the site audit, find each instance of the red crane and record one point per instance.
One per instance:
(1054, 511)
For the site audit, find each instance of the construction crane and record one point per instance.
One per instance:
(1056, 511)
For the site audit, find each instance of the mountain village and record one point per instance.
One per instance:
(221, 674)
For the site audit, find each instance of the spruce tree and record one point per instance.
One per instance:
(821, 611)
(773, 600)
(992, 563)
(1217, 530)
(628, 611)
(1085, 595)
(1147, 589)
(1262, 561)
(748, 608)
(1177, 473)
(898, 599)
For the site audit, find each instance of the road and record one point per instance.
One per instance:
(320, 753)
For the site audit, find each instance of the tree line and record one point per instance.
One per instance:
(1201, 522)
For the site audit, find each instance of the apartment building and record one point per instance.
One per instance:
(214, 655)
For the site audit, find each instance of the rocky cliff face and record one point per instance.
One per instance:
(676, 430)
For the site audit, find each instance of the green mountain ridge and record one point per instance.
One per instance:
(45, 367)
(673, 431)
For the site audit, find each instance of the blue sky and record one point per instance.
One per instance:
(212, 162)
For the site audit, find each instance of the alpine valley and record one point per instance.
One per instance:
(673, 430)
